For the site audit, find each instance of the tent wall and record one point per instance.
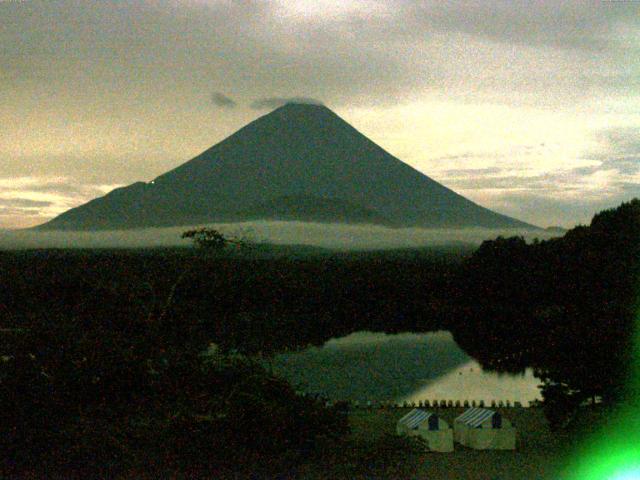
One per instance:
(460, 433)
(437, 440)
(503, 438)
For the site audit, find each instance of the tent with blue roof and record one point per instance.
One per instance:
(435, 432)
(484, 429)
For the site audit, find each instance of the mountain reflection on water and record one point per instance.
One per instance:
(402, 367)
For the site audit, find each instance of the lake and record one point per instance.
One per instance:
(409, 367)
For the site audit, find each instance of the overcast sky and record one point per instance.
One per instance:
(530, 108)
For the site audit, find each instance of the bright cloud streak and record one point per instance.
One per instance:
(28, 201)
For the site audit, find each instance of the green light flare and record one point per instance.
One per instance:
(609, 458)
(614, 453)
(633, 474)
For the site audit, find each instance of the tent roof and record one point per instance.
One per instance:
(415, 417)
(474, 417)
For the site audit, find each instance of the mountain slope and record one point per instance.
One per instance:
(298, 151)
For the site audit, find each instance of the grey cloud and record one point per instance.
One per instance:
(18, 211)
(529, 206)
(628, 165)
(57, 187)
(23, 203)
(275, 102)
(63, 194)
(221, 100)
(463, 172)
(363, 58)
(621, 152)
(554, 198)
(538, 182)
(579, 24)
(581, 171)
(70, 189)
(515, 149)
(85, 170)
(460, 156)
(544, 210)
(624, 140)
(630, 190)
(552, 182)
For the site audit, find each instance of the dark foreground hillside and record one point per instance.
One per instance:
(371, 450)
(103, 369)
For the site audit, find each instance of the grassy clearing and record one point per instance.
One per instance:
(373, 451)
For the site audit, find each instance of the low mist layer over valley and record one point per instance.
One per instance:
(334, 236)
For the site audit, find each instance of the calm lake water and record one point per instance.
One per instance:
(413, 367)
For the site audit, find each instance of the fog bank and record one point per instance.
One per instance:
(334, 236)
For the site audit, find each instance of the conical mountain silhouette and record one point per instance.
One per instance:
(299, 162)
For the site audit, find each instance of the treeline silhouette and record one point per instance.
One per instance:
(247, 302)
(565, 307)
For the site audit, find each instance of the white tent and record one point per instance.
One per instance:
(436, 433)
(484, 429)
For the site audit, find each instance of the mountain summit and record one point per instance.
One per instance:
(299, 162)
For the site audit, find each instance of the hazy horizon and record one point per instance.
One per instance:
(327, 235)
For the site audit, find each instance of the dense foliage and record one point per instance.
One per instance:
(213, 240)
(93, 396)
(250, 301)
(565, 306)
